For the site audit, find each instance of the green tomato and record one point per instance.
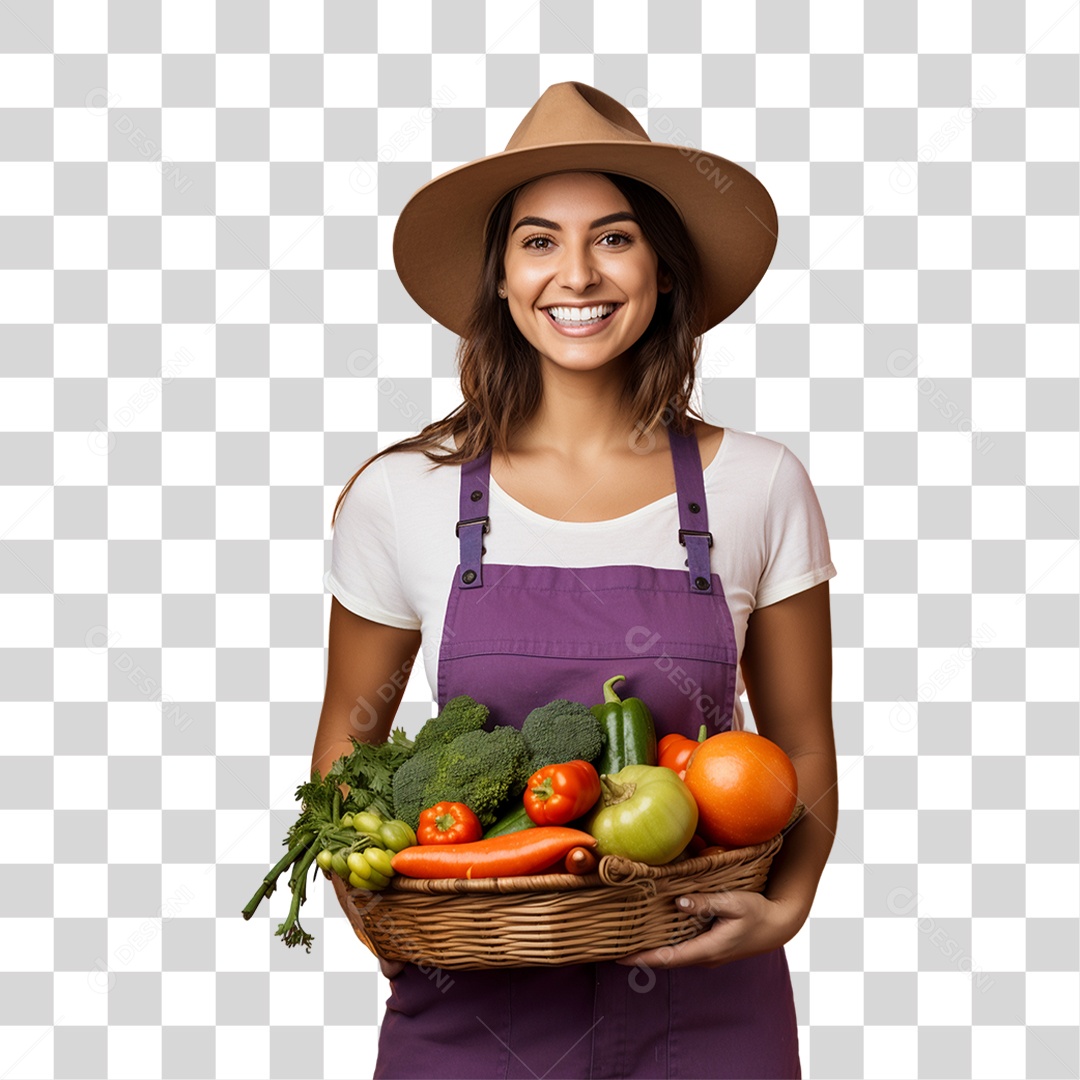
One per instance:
(645, 813)
(339, 865)
(379, 860)
(325, 859)
(358, 864)
(397, 835)
(347, 820)
(358, 882)
(366, 822)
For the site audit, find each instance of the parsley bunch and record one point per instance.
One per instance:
(369, 772)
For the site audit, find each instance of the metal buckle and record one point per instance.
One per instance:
(473, 521)
(693, 532)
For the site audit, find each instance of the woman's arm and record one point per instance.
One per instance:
(787, 669)
(368, 665)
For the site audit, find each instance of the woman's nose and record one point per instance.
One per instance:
(577, 269)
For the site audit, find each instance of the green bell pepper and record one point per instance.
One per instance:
(629, 730)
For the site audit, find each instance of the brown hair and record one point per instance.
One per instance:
(500, 377)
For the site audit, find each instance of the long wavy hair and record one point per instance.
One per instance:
(501, 384)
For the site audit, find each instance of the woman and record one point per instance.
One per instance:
(587, 525)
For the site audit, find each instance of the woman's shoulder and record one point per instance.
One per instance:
(751, 452)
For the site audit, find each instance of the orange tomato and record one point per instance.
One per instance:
(745, 787)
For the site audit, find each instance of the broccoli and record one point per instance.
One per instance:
(481, 769)
(458, 715)
(410, 781)
(561, 731)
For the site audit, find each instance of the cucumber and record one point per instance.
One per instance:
(514, 820)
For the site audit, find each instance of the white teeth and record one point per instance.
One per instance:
(569, 314)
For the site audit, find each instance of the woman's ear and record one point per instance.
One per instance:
(663, 280)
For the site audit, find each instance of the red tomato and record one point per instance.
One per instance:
(745, 787)
(675, 751)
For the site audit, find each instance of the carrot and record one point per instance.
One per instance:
(581, 860)
(524, 852)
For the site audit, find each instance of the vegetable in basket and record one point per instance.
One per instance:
(676, 750)
(557, 794)
(561, 731)
(449, 823)
(514, 820)
(369, 769)
(581, 861)
(746, 788)
(645, 813)
(524, 852)
(458, 715)
(629, 730)
(328, 833)
(481, 769)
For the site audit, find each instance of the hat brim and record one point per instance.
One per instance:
(728, 213)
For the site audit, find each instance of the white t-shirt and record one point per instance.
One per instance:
(394, 552)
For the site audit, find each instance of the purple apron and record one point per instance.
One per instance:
(516, 637)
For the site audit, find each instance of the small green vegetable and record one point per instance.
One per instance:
(366, 822)
(629, 728)
(379, 861)
(514, 820)
(396, 835)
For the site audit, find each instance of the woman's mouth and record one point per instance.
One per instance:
(580, 322)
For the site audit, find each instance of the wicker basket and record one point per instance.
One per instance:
(549, 919)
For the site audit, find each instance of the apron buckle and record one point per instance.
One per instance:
(474, 521)
(683, 533)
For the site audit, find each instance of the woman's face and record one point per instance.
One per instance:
(574, 246)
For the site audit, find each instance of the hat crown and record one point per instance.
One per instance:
(569, 112)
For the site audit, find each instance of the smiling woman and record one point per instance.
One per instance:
(584, 281)
(580, 268)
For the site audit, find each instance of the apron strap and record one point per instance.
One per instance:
(694, 532)
(473, 520)
(694, 535)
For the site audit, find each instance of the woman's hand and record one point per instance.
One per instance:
(746, 924)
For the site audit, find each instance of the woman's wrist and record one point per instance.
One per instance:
(794, 909)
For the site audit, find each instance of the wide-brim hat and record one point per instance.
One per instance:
(729, 215)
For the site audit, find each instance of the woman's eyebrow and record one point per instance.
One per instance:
(543, 223)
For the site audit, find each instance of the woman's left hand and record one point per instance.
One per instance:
(746, 924)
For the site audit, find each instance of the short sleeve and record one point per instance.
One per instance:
(365, 572)
(796, 541)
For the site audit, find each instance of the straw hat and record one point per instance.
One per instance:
(439, 238)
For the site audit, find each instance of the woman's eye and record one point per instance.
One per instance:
(547, 240)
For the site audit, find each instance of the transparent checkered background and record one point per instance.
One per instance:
(203, 336)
